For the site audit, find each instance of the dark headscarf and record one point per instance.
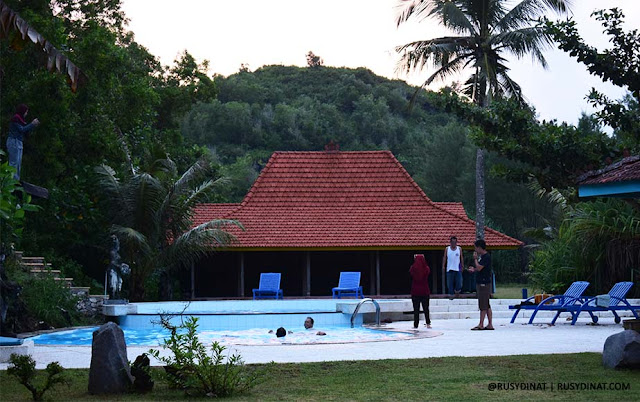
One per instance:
(21, 111)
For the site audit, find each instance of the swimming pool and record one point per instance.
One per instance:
(254, 336)
(248, 314)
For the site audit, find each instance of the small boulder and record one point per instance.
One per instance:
(622, 350)
(140, 370)
(109, 372)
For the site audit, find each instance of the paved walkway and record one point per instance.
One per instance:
(456, 340)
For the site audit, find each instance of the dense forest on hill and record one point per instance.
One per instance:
(292, 108)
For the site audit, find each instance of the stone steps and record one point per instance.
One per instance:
(39, 271)
(29, 260)
(37, 267)
(444, 309)
(79, 290)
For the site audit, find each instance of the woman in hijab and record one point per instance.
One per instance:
(420, 291)
(18, 128)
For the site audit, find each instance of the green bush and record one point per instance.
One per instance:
(50, 301)
(24, 369)
(196, 372)
(597, 241)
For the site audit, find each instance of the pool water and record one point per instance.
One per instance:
(254, 336)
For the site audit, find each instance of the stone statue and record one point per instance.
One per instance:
(116, 269)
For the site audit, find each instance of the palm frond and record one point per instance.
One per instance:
(107, 179)
(164, 166)
(196, 172)
(145, 193)
(411, 8)
(454, 66)
(484, 13)
(522, 41)
(115, 191)
(435, 52)
(510, 88)
(453, 17)
(11, 22)
(195, 243)
(131, 239)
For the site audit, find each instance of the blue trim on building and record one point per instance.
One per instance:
(628, 189)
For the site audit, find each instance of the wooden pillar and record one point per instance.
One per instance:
(372, 274)
(378, 272)
(444, 276)
(193, 281)
(241, 276)
(307, 274)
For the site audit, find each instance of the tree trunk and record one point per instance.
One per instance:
(480, 198)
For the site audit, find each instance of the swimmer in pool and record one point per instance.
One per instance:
(280, 332)
(308, 324)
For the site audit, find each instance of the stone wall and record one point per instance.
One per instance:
(90, 305)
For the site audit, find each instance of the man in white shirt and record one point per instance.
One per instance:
(452, 264)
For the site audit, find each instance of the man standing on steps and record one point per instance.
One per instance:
(452, 265)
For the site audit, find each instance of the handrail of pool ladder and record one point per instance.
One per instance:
(375, 303)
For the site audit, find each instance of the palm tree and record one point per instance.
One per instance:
(12, 24)
(151, 215)
(484, 32)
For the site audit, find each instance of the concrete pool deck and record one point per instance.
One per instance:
(456, 340)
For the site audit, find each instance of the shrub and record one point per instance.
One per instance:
(24, 369)
(597, 241)
(193, 370)
(50, 301)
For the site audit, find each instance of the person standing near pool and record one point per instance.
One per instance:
(420, 290)
(482, 262)
(452, 264)
(18, 129)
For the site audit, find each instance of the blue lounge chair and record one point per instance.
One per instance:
(617, 301)
(269, 287)
(349, 285)
(559, 304)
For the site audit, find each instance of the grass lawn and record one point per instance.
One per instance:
(511, 290)
(451, 378)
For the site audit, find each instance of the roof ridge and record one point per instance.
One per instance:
(260, 178)
(333, 152)
(218, 203)
(429, 200)
(413, 182)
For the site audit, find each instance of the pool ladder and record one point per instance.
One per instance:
(363, 301)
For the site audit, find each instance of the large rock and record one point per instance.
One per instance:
(622, 350)
(109, 372)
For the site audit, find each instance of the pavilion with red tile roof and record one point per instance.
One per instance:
(311, 215)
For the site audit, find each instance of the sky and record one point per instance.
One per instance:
(353, 33)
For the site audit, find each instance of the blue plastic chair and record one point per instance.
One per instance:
(617, 295)
(348, 285)
(559, 304)
(269, 287)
